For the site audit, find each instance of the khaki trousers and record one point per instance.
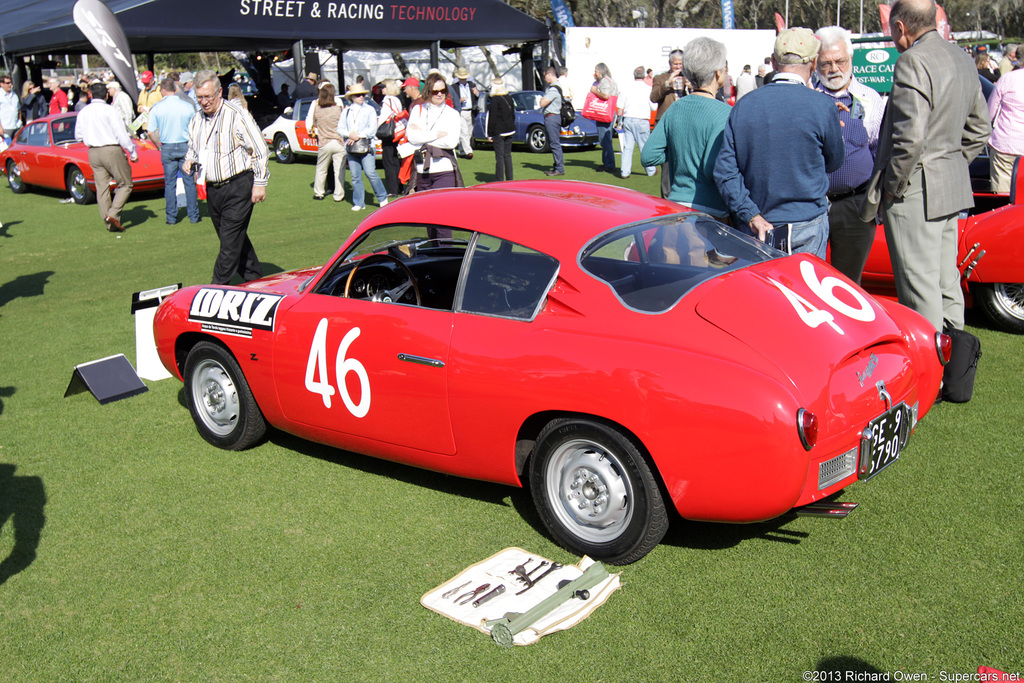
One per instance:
(110, 164)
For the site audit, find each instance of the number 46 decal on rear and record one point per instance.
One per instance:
(317, 380)
(825, 290)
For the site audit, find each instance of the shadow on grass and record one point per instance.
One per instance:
(136, 215)
(22, 500)
(24, 286)
(844, 663)
(5, 392)
(6, 226)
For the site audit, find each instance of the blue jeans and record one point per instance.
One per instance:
(806, 237)
(607, 142)
(634, 134)
(172, 155)
(553, 127)
(358, 164)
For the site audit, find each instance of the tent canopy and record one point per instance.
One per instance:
(46, 26)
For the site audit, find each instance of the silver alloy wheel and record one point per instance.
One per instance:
(14, 177)
(589, 492)
(215, 397)
(283, 149)
(537, 139)
(78, 188)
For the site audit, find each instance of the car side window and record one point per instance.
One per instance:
(35, 134)
(63, 130)
(304, 106)
(506, 279)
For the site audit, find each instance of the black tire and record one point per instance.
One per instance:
(219, 399)
(595, 492)
(537, 139)
(18, 185)
(1003, 303)
(77, 187)
(283, 149)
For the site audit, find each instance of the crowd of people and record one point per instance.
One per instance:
(802, 155)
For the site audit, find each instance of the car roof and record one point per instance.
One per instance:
(554, 216)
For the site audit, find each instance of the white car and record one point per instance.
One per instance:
(287, 135)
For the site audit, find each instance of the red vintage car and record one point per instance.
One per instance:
(619, 354)
(990, 256)
(45, 153)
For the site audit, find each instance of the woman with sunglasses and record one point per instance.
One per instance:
(357, 126)
(434, 125)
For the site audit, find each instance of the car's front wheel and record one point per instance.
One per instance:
(18, 185)
(283, 149)
(537, 139)
(1003, 303)
(78, 188)
(220, 400)
(595, 492)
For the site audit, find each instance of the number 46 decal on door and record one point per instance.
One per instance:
(317, 380)
(825, 290)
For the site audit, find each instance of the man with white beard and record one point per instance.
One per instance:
(860, 110)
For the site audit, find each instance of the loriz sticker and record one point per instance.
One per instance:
(232, 311)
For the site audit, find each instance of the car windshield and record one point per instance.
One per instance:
(651, 265)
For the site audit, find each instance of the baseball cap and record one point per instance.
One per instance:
(186, 77)
(796, 46)
(147, 77)
(411, 82)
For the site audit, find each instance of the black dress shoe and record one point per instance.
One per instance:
(319, 199)
(552, 171)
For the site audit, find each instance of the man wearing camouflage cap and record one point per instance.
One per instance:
(780, 143)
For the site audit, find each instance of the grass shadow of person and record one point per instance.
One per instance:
(22, 501)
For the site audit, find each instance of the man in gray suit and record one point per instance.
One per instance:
(935, 124)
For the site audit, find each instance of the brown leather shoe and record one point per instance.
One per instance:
(113, 225)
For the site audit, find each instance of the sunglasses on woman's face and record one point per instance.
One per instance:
(442, 91)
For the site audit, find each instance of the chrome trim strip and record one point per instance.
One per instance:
(421, 360)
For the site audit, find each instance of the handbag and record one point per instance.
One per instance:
(597, 109)
(386, 130)
(958, 375)
(360, 146)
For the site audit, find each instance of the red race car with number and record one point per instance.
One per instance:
(46, 153)
(619, 354)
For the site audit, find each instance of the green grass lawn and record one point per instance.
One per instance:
(130, 549)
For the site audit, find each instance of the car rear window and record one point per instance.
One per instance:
(651, 265)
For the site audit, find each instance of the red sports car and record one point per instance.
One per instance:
(616, 352)
(45, 153)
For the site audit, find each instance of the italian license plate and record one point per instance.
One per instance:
(883, 440)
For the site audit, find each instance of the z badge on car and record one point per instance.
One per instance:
(234, 312)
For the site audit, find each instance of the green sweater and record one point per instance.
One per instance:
(687, 139)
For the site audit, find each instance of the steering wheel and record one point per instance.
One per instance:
(393, 294)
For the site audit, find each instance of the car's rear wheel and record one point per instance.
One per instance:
(595, 492)
(283, 149)
(18, 185)
(78, 188)
(1003, 303)
(220, 400)
(537, 139)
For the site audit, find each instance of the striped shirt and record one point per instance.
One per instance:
(228, 143)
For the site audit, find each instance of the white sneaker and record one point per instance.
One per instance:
(357, 208)
(384, 202)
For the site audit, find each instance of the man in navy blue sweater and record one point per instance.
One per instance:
(780, 143)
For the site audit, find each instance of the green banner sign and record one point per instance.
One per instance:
(873, 67)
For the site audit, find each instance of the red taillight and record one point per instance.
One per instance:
(807, 428)
(944, 347)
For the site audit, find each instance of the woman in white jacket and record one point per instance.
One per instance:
(435, 126)
(357, 127)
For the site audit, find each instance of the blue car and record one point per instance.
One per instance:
(530, 125)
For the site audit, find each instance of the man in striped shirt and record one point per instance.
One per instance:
(228, 147)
